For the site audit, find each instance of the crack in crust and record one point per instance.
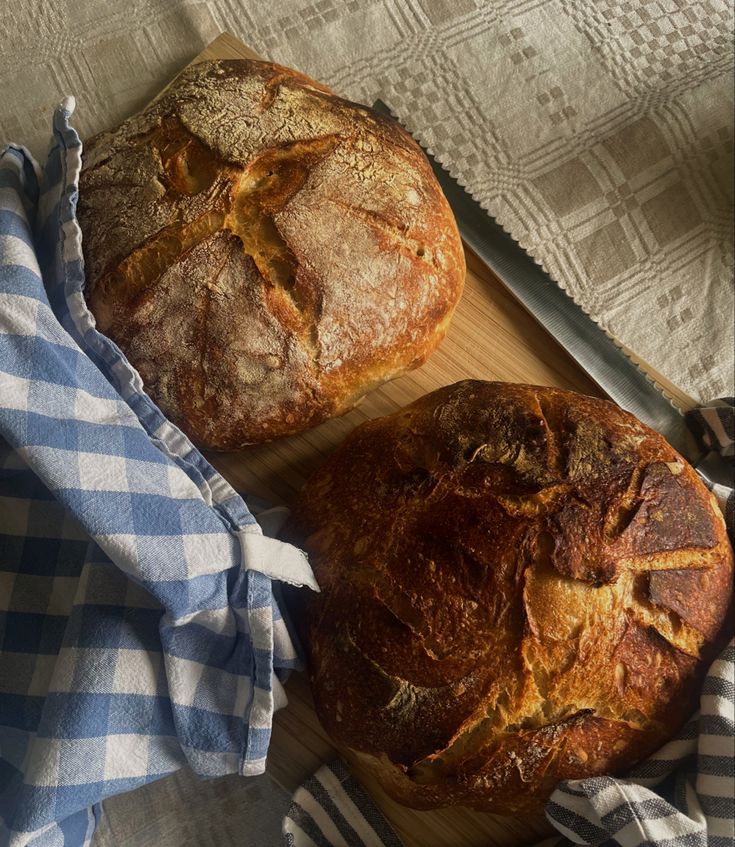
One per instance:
(339, 261)
(242, 201)
(530, 596)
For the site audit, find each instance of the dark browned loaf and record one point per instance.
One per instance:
(264, 251)
(519, 585)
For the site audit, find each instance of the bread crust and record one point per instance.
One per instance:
(519, 585)
(263, 251)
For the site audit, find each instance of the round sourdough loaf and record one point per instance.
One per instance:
(519, 585)
(264, 252)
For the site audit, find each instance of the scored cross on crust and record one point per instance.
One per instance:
(264, 252)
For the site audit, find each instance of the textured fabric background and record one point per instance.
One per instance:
(599, 132)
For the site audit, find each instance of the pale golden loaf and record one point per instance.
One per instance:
(519, 585)
(263, 251)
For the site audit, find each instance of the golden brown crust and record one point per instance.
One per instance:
(263, 251)
(519, 585)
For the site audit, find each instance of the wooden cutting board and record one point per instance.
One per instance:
(492, 338)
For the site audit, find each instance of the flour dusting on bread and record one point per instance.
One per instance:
(265, 252)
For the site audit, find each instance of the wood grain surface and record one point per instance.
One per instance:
(491, 337)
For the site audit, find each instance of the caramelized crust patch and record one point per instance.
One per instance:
(519, 585)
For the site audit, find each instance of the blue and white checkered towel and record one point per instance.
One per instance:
(138, 626)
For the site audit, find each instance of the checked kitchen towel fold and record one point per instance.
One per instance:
(136, 634)
(682, 796)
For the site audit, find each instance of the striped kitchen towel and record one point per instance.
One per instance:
(332, 809)
(683, 796)
(138, 626)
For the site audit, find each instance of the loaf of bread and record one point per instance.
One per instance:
(519, 585)
(264, 252)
